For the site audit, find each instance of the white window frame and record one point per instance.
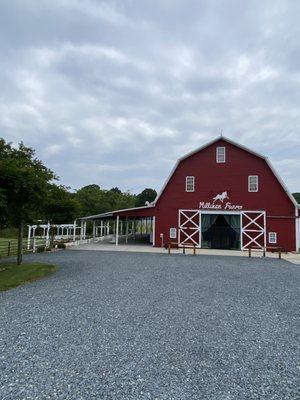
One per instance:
(272, 237)
(173, 233)
(221, 155)
(189, 181)
(250, 189)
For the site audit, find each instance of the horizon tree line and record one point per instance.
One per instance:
(29, 191)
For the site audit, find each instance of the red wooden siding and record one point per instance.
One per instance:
(212, 178)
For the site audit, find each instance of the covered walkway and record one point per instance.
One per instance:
(128, 226)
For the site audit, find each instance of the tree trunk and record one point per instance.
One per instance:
(20, 243)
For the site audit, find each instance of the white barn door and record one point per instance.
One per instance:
(189, 233)
(253, 229)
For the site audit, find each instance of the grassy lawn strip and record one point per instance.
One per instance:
(14, 275)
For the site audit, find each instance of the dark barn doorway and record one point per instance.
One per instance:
(220, 231)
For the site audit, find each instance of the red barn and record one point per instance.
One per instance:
(222, 196)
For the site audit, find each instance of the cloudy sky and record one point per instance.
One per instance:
(113, 92)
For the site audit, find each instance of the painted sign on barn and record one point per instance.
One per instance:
(218, 203)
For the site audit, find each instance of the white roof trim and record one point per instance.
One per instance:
(281, 182)
(111, 213)
(234, 144)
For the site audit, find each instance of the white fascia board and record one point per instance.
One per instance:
(234, 144)
(226, 139)
(166, 181)
(111, 213)
(108, 214)
(292, 198)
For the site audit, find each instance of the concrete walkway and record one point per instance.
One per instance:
(144, 248)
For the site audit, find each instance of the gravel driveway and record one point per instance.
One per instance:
(149, 326)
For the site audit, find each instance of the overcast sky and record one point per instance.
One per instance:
(113, 92)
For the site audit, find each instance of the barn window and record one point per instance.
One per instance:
(252, 183)
(221, 155)
(173, 233)
(273, 237)
(190, 184)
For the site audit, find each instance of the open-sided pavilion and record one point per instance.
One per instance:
(122, 223)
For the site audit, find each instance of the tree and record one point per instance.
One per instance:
(60, 206)
(297, 197)
(24, 182)
(116, 190)
(125, 200)
(147, 195)
(94, 200)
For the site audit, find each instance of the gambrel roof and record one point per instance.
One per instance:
(293, 200)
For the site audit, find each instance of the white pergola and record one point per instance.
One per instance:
(63, 231)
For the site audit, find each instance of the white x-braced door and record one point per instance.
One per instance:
(189, 228)
(253, 229)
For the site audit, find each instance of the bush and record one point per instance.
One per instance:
(40, 249)
(61, 246)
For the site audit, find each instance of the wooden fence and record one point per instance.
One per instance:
(9, 247)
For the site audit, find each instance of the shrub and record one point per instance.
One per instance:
(40, 249)
(61, 246)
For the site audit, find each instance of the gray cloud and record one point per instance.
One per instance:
(114, 92)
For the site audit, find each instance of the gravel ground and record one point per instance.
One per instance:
(149, 326)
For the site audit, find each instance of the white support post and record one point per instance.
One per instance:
(117, 231)
(108, 228)
(126, 237)
(94, 230)
(29, 236)
(48, 235)
(265, 231)
(84, 230)
(33, 231)
(241, 230)
(101, 228)
(134, 228)
(81, 230)
(153, 231)
(74, 231)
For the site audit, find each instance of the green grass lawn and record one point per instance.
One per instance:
(12, 275)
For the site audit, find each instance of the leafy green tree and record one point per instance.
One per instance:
(125, 200)
(116, 190)
(297, 197)
(60, 206)
(93, 200)
(147, 195)
(24, 182)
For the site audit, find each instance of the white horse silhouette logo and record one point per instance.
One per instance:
(221, 197)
